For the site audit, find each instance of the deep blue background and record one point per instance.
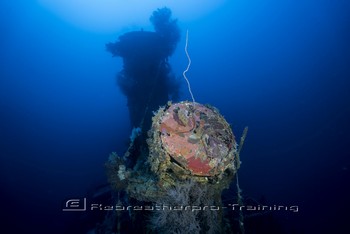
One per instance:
(282, 69)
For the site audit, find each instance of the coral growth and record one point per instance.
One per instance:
(166, 27)
(184, 195)
(116, 172)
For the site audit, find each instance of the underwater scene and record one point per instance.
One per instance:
(174, 116)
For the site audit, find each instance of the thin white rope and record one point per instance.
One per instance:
(188, 67)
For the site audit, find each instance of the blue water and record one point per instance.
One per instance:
(282, 68)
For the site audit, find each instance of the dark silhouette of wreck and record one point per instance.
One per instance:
(146, 79)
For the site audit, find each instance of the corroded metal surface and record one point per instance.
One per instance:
(195, 139)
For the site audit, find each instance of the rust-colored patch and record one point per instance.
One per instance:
(193, 135)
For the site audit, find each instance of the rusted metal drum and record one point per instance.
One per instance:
(191, 140)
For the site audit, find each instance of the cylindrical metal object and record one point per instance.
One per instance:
(190, 140)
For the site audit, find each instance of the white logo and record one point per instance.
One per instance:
(75, 205)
